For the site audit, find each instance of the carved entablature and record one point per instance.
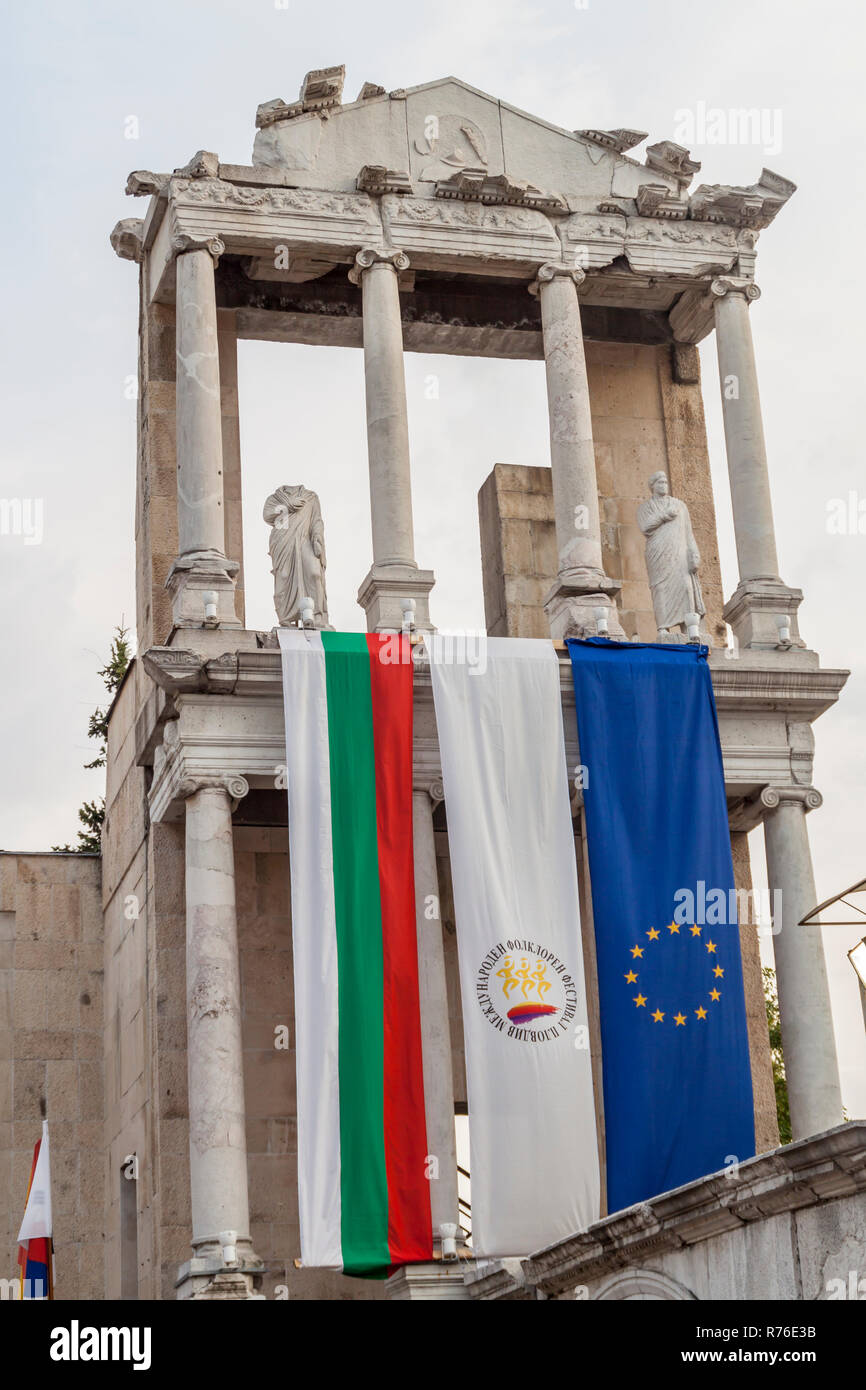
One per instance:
(678, 248)
(377, 180)
(441, 231)
(247, 217)
(464, 183)
(618, 141)
(753, 207)
(592, 241)
(669, 158)
(476, 185)
(655, 200)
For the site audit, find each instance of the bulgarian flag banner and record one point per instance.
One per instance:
(35, 1245)
(363, 1190)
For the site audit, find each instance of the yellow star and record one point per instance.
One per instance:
(631, 978)
(673, 928)
(695, 931)
(701, 1012)
(714, 994)
(718, 971)
(680, 1020)
(653, 934)
(640, 1000)
(637, 950)
(658, 1015)
(711, 946)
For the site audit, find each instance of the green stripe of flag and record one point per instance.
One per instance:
(363, 1178)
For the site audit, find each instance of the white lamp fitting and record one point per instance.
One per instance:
(448, 1232)
(407, 606)
(308, 609)
(210, 599)
(229, 1242)
(693, 627)
(783, 623)
(601, 626)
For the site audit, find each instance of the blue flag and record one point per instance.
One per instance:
(675, 1051)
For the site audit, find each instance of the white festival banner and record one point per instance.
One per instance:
(534, 1156)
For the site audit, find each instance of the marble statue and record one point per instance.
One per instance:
(672, 556)
(297, 549)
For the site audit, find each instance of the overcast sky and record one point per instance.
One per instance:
(191, 73)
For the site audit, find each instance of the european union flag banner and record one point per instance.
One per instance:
(675, 1052)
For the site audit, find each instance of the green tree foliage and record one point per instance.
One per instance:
(92, 813)
(783, 1111)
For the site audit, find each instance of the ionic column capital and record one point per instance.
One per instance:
(730, 284)
(432, 787)
(377, 255)
(235, 786)
(550, 270)
(182, 242)
(807, 797)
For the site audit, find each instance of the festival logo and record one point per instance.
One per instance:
(526, 991)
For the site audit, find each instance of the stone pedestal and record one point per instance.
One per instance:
(217, 1121)
(394, 573)
(808, 1042)
(581, 587)
(760, 597)
(421, 1283)
(435, 1028)
(201, 566)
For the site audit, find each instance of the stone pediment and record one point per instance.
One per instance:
(453, 141)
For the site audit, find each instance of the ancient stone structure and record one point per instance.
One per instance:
(434, 219)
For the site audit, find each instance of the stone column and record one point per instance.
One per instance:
(801, 972)
(217, 1123)
(201, 564)
(581, 585)
(394, 574)
(760, 596)
(435, 1027)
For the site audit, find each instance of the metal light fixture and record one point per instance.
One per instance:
(601, 624)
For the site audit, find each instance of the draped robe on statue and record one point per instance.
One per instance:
(297, 549)
(672, 559)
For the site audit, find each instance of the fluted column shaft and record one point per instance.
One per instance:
(200, 510)
(435, 1026)
(387, 419)
(744, 431)
(217, 1133)
(572, 455)
(808, 1041)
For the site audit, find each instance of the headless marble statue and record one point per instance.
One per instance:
(297, 549)
(672, 556)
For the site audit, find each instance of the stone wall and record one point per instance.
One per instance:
(643, 419)
(51, 1056)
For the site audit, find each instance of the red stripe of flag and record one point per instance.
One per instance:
(410, 1235)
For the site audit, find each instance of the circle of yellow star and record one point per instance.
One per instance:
(711, 946)
(695, 931)
(672, 927)
(653, 934)
(714, 994)
(631, 978)
(718, 971)
(640, 1000)
(701, 1012)
(637, 950)
(658, 1015)
(680, 1020)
